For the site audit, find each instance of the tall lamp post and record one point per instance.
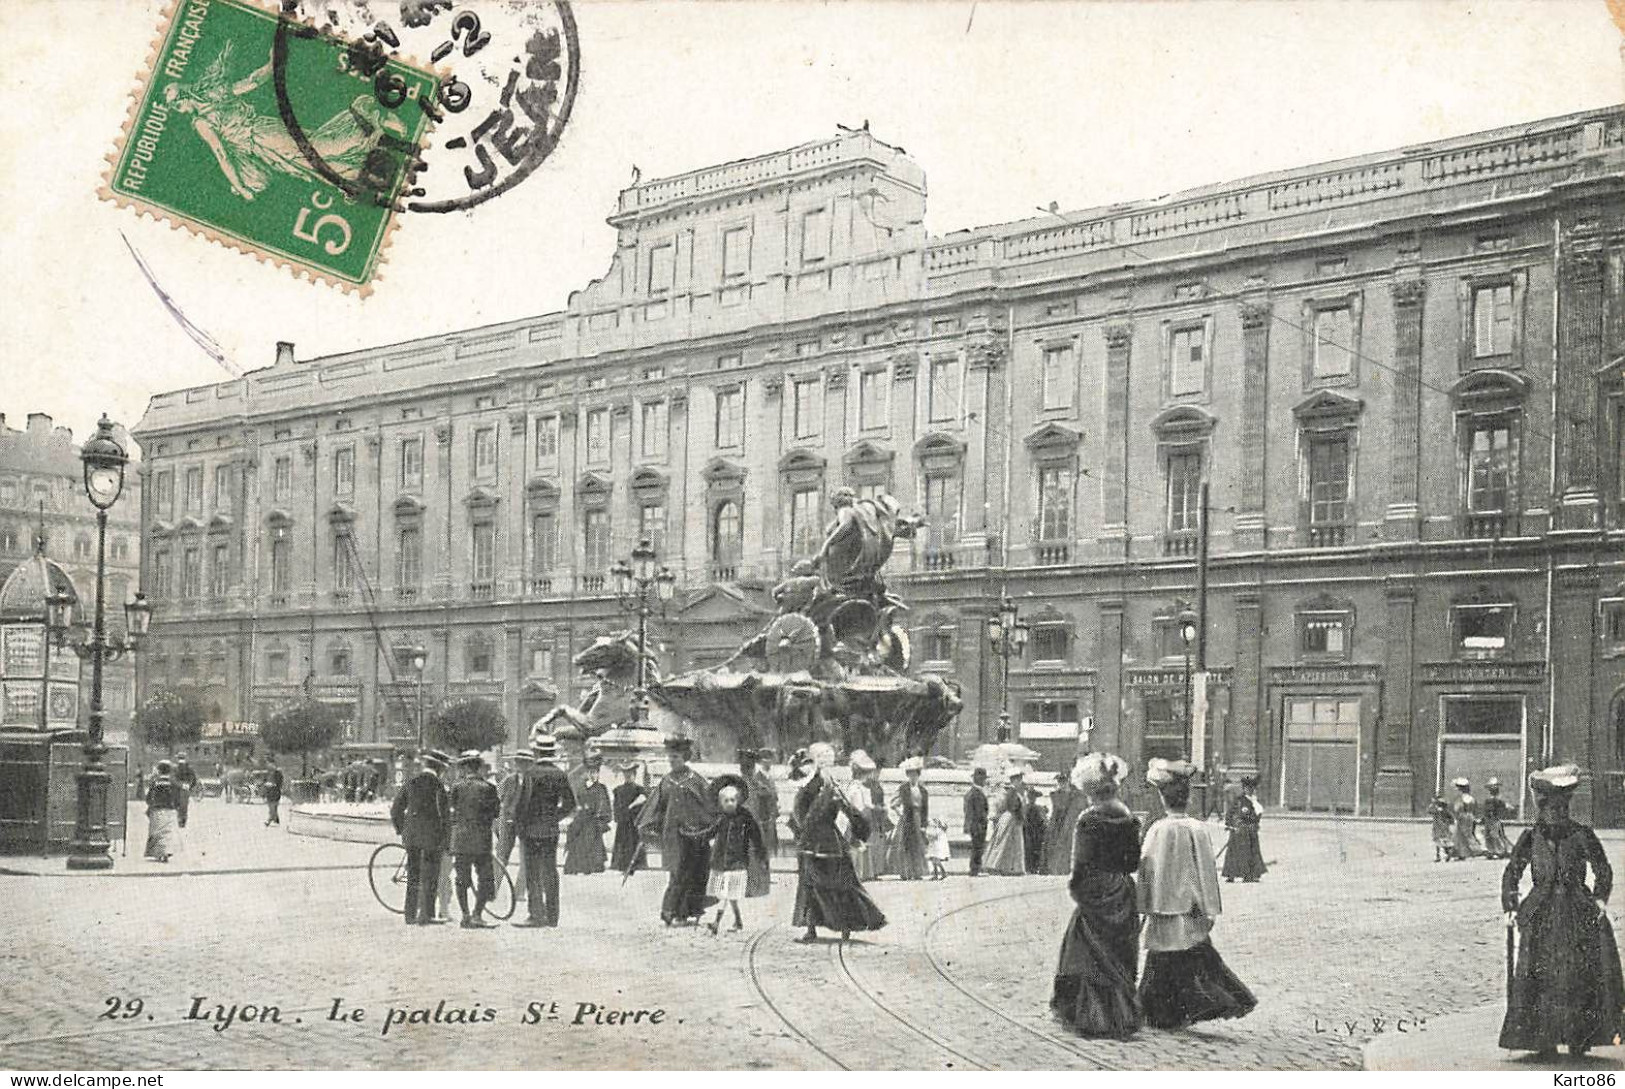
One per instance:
(1188, 632)
(104, 460)
(416, 657)
(633, 583)
(1007, 634)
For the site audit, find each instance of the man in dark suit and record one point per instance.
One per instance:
(185, 782)
(544, 798)
(508, 793)
(421, 815)
(976, 818)
(273, 793)
(474, 806)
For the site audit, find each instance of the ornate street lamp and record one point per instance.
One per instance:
(1007, 635)
(104, 460)
(633, 583)
(416, 658)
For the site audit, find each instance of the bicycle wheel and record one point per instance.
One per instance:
(502, 899)
(386, 872)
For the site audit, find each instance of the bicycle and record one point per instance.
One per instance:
(386, 873)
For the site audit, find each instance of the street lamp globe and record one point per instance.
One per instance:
(643, 561)
(104, 462)
(1018, 635)
(995, 631)
(420, 658)
(1007, 612)
(59, 614)
(137, 616)
(1187, 628)
(666, 584)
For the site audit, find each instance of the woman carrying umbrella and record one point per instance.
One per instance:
(1007, 849)
(828, 893)
(1567, 986)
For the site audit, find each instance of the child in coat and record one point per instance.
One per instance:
(1444, 830)
(736, 839)
(937, 849)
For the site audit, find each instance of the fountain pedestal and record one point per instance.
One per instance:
(644, 744)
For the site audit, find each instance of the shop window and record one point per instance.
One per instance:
(1050, 718)
(1164, 729)
(1483, 717)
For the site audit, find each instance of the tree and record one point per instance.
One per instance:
(469, 724)
(303, 728)
(168, 718)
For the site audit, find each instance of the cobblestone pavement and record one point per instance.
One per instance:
(1354, 929)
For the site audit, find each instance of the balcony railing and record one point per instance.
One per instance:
(541, 584)
(406, 593)
(341, 597)
(482, 590)
(939, 559)
(1052, 555)
(724, 572)
(1328, 536)
(1179, 542)
(278, 600)
(1482, 525)
(593, 584)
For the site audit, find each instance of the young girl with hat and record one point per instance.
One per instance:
(736, 845)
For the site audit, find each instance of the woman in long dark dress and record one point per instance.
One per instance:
(1567, 988)
(1496, 813)
(628, 855)
(828, 892)
(584, 839)
(1242, 856)
(1095, 979)
(907, 847)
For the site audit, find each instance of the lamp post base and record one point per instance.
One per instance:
(90, 849)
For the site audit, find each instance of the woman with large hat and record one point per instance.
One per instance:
(1496, 814)
(1464, 811)
(1185, 980)
(828, 892)
(584, 840)
(1007, 848)
(1567, 988)
(1094, 981)
(679, 814)
(906, 848)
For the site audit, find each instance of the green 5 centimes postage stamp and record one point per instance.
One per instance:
(210, 144)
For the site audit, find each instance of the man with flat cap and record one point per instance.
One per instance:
(422, 818)
(544, 799)
(474, 807)
(680, 812)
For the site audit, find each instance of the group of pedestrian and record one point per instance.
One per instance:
(1024, 838)
(1169, 885)
(1457, 825)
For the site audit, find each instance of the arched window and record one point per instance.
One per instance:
(726, 530)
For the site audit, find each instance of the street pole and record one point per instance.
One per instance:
(420, 712)
(90, 845)
(643, 643)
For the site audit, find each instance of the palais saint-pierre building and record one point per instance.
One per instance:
(1402, 375)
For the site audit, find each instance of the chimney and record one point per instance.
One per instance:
(39, 423)
(284, 353)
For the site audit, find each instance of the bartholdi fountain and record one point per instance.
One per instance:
(832, 665)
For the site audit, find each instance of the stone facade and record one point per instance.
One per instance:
(42, 484)
(1414, 572)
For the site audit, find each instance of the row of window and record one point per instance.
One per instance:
(16, 540)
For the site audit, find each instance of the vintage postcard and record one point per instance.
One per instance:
(567, 535)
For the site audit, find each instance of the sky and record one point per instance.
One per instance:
(1006, 106)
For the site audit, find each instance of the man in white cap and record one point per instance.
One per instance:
(544, 799)
(421, 814)
(474, 806)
